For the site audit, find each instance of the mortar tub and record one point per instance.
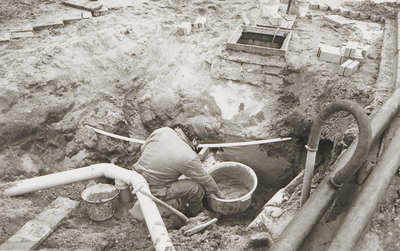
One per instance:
(100, 201)
(238, 182)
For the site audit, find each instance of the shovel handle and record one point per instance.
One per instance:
(155, 199)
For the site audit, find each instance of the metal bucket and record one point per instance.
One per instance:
(238, 182)
(100, 201)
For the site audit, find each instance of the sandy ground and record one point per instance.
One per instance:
(129, 72)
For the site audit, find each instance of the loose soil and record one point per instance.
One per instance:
(129, 72)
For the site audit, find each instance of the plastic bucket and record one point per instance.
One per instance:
(100, 201)
(238, 182)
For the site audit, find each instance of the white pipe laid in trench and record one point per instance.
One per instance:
(210, 145)
(155, 224)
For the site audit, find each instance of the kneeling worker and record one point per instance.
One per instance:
(170, 152)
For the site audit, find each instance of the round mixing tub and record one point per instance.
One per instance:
(100, 201)
(238, 182)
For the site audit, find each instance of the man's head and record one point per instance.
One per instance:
(204, 127)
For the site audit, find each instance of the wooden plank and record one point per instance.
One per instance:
(36, 230)
(285, 45)
(267, 31)
(236, 35)
(251, 19)
(256, 49)
(246, 21)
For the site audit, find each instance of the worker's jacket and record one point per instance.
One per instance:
(165, 157)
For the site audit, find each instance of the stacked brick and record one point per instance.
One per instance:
(350, 56)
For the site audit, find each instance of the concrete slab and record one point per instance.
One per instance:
(50, 23)
(18, 35)
(71, 17)
(23, 28)
(36, 230)
(337, 20)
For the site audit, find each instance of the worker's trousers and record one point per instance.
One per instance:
(188, 191)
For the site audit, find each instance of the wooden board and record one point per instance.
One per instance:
(36, 230)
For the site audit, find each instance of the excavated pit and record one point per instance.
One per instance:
(260, 40)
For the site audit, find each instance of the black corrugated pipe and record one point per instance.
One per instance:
(312, 211)
(357, 158)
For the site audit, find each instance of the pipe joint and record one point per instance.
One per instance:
(311, 149)
(333, 184)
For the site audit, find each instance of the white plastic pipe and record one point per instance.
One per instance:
(154, 222)
(308, 175)
(210, 145)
